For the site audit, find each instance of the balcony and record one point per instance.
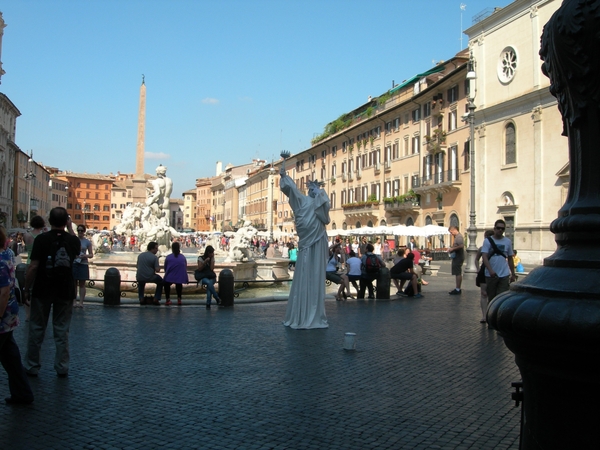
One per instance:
(406, 205)
(439, 181)
(367, 208)
(344, 177)
(377, 167)
(387, 165)
(358, 174)
(350, 176)
(436, 143)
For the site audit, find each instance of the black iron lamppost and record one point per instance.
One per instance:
(471, 266)
(551, 319)
(30, 177)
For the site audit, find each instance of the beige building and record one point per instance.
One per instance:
(398, 159)
(189, 209)
(59, 188)
(521, 159)
(8, 150)
(2, 26)
(31, 191)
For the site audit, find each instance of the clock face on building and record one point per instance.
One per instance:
(507, 65)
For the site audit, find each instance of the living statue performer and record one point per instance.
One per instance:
(306, 303)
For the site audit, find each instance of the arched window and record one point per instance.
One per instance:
(382, 223)
(357, 225)
(344, 226)
(510, 144)
(454, 221)
(428, 220)
(370, 224)
(333, 226)
(410, 222)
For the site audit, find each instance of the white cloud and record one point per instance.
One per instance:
(210, 101)
(160, 155)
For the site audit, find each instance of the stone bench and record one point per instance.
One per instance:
(431, 270)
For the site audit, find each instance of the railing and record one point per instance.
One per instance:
(344, 177)
(437, 178)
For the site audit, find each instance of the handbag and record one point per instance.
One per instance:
(480, 279)
(204, 273)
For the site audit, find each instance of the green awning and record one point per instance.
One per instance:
(417, 77)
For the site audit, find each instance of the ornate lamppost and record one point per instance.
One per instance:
(551, 319)
(29, 177)
(272, 175)
(471, 266)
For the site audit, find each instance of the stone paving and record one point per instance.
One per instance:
(426, 375)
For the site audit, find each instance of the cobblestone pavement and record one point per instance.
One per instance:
(426, 375)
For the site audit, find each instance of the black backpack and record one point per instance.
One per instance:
(372, 264)
(58, 264)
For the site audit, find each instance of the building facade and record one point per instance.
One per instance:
(31, 192)
(8, 150)
(89, 199)
(521, 161)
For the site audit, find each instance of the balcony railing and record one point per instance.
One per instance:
(436, 178)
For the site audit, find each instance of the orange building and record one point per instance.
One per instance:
(88, 199)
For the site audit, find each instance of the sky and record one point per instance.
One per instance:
(226, 80)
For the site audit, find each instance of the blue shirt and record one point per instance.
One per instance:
(10, 319)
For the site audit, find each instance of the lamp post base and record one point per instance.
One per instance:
(471, 266)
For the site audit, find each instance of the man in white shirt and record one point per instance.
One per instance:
(498, 261)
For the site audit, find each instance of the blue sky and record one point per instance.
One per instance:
(227, 80)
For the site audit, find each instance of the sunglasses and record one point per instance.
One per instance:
(500, 228)
(80, 230)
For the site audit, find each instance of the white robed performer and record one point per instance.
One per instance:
(306, 304)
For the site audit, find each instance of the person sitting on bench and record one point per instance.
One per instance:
(404, 270)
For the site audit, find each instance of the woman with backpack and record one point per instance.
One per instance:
(371, 263)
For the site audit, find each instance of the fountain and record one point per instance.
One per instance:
(150, 223)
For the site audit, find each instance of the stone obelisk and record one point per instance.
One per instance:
(139, 181)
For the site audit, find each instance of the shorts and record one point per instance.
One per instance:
(402, 275)
(353, 277)
(457, 266)
(333, 277)
(81, 272)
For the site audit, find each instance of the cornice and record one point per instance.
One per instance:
(529, 103)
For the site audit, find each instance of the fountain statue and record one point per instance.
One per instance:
(240, 243)
(150, 221)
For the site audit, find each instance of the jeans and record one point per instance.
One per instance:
(159, 287)
(366, 282)
(11, 361)
(62, 310)
(496, 286)
(210, 289)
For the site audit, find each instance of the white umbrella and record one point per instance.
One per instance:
(400, 230)
(333, 233)
(435, 230)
